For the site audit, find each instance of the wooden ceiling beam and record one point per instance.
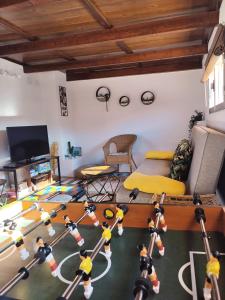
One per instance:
(16, 29)
(5, 3)
(214, 4)
(124, 47)
(199, 20)
(160, 67)
(97, 14)
(122, 59)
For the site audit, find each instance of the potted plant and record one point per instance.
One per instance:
(195, 118)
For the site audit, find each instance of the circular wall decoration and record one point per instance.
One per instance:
(103, 94)
(124, 101)
(147, 98)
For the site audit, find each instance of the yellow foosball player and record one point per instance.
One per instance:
(85, 269)
(146, 264)
(120, 216)
(159, 211)
(155, 231)
(107, 236)
(14, 231)
(212, 269)
(46, 218)
(90, 208)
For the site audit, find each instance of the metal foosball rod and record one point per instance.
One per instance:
(78, 278)
(53, 214)
(142, 284)
(201, 219)
(133, 195)
(23, 273)
(22, 213)
(71, 288)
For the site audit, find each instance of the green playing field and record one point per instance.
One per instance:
(118, 280)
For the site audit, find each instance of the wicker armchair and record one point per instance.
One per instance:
(123, 152)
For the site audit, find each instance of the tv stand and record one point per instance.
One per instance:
(13, 167)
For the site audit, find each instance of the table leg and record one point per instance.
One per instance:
(15, 183)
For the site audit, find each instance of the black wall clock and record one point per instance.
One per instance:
(103, 94)
(147, 98)
(124, 101)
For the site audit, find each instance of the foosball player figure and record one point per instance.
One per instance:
(17, 237)
(73, 230)
(85, 269)
(107, 236)
(46, 218)
(212, 269)
(90, 208)
(146, 264)
(159, 211)
(44, 253)
(155, 231)
(120, 216)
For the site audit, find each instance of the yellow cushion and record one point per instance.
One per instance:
(159, 155)
(154, 184)
(94, 170)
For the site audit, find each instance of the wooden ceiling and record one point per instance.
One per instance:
(101, 38)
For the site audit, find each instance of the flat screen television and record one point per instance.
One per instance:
(27, 142)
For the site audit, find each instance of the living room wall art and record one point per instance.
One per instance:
(124, 101)
(147, 98)
(103, 94)
(63, 101)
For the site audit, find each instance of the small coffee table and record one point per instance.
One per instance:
(100, 182)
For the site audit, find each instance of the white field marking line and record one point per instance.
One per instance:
(81, 283)
(193, 278)
(200, 252)
(180, 278)
(180, 273)
(8, 255)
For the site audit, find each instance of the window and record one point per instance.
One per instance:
(216, 86)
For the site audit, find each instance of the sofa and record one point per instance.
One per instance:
(207, 160)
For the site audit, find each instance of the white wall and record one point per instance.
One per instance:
(217, 119)
(33, 99)
(158, 126)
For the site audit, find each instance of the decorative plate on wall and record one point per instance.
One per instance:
(124, 101)
(147, 98)
(103, 94)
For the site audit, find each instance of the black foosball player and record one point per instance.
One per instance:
(155, 231)
(84, 270)
(159, 211)
(146, 264)
(212, 269)
(90, 208)
(44, 253)
(72, 226)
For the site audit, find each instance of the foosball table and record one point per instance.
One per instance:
(110, 251)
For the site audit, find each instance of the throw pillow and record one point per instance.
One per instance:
(181, 162)
(167, 155)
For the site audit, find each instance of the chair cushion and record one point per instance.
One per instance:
(154, 184)
(118, 153)
(181, 162)
(159, 155)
